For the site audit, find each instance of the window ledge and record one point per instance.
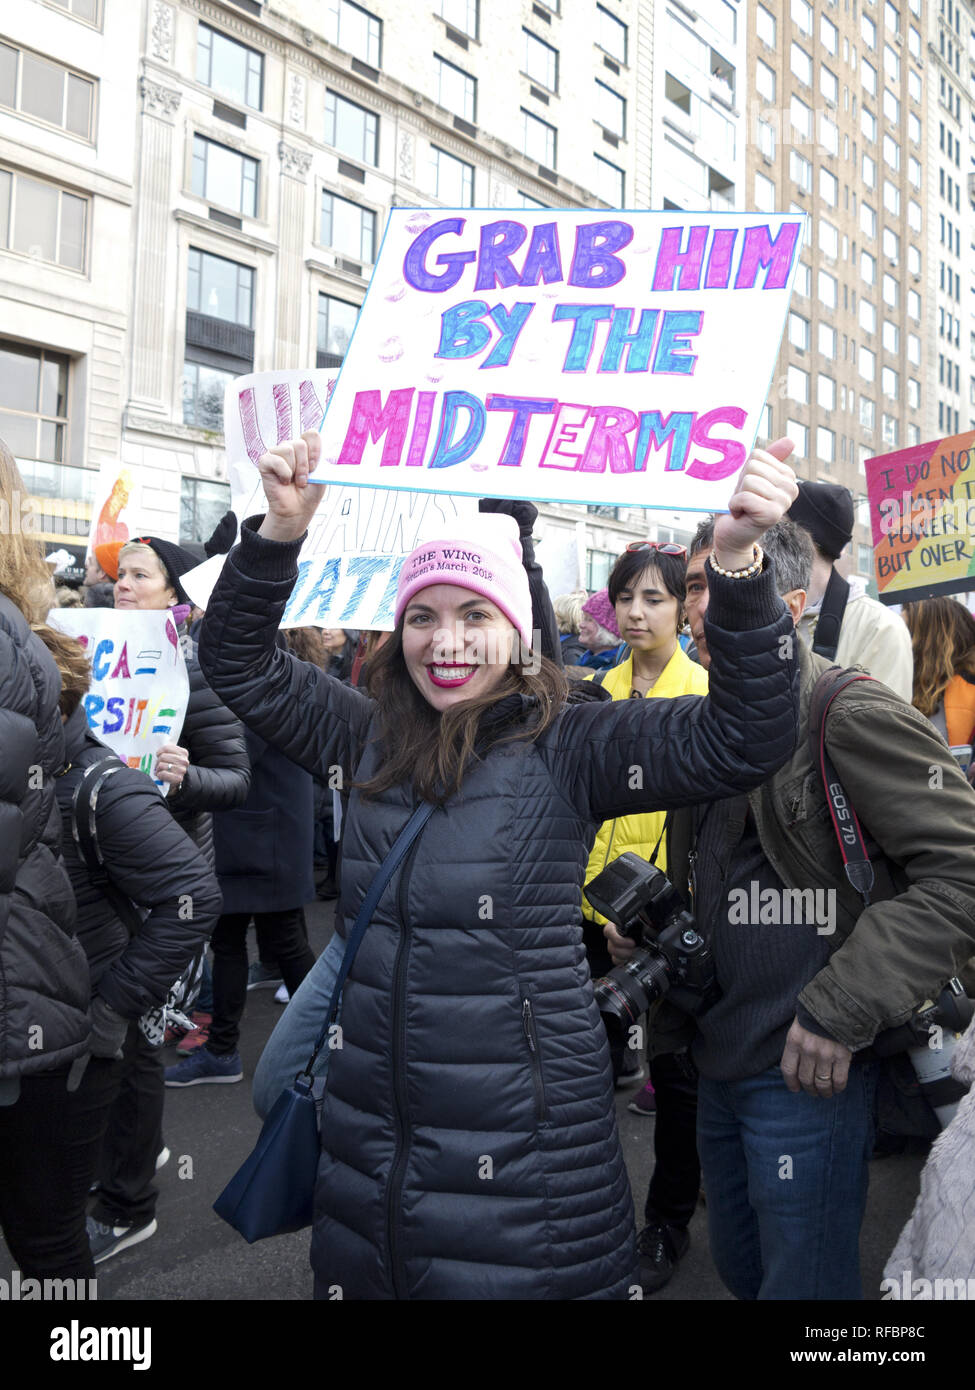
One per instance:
(243, 238)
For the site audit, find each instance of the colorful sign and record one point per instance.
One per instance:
(922, 511)
(139, 686)
(358, 538)
(116, 507)
(616, 358)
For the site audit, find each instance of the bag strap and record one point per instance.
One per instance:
(84, 832)
(370, 902)
(833, 607)
(856, 860)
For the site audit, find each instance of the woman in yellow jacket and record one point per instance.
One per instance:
(646, 588)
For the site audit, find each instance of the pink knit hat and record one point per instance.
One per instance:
(602, 611)
(488, 561)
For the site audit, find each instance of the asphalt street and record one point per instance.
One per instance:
(211, 1129)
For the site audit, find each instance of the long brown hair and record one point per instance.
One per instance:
(72, 662)
(943, 638)
(307, 645)
(24, 577)
(434, 750)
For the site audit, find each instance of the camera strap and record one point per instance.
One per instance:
(827, 636)
(856, 860)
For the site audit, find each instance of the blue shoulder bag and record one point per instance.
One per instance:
(273, 1190)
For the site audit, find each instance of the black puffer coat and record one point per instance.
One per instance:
(470, 1148)
(43, 972)
(219, 772)
(149, 859)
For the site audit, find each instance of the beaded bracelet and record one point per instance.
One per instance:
(753, 568)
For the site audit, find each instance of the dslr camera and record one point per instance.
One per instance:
(672, 956)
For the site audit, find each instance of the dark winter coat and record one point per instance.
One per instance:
(150, 860)
(218, 775)
(265, 849)
(469, 1135)
(44, 988)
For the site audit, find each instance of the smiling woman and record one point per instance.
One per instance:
(469, 1142)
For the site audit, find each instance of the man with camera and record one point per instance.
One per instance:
(785, 1104)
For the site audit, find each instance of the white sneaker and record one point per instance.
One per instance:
(162, 1158)
(281, 995)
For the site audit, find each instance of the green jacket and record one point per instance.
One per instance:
(910, 796)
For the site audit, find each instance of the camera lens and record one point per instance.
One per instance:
(625, 993)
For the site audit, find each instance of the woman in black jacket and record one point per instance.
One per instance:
(469, 1143)
(206, 771)
(45, 1030)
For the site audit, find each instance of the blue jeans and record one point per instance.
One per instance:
(290, 1045)
(786, 1183)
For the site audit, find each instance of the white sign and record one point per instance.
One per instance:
(358, 538)
(139, 687)
(620, 358)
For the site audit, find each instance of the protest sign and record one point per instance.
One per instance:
(922, 511)
(139, 686)
(619, 358)
(116, 506)
(358, 538)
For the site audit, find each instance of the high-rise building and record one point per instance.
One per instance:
(838, 127)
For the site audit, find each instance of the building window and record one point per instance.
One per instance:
(541, 61)
(798, 331)
(611, 34)
(224, 177)
(34, 407)
(351, 129)
(868, 76)
(456, 90)
(802, 16)
(764, 194)
(803, 281)
(765, 26)
(829, 85)
(868, 31)
(800, 171)
(868, 414)
(826, 287)
(825, 445)
(610, 183)
(610, 110)
(891, 381)
(539, 140)
(914, 172)
(336, 320)
(892, 63)
(47, 91)
(913, 128)
(348, 228)
(891, 243)
(914, 349)
(828, 35)
(914, 215)
(890, 430)
(42, 221)
(914, 306)
(867, 363)
(203, 389)
(799, 435)
(913, 393)
(890, 291)
(891, 336)
(826, 337)
(460, 14)
(230, 68)
(797, 385)
(868, 123)
(892, 107)
(452, 180)
(829, 239)
(219, 288)
(868, 316)
(868, 220)
(764, 81)
(801, 64)
(85, 10)
(828, 186)
(914, 86)
(800, 116)
(202, 502)
(869, 170)
(913, 260)
(356, 30)
(892, 153)
(825, 392)
(766, 139)
(523, 200)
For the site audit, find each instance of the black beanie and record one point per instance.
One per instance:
(825, 510)
(224, 536)
(174, 560)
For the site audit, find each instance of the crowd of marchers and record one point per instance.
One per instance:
(707, 833)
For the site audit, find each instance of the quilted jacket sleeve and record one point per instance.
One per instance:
(219, 773)
(156, 864)
(646, 755)
(911, 796)
(313, 719)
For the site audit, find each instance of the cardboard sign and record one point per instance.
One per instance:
(922, 511)
(139, 688)
(117, 506)
(358, 538)
(617, 358)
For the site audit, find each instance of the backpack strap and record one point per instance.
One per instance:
(856, 860)
(831, 612)
(600, 676)
(84, 832)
